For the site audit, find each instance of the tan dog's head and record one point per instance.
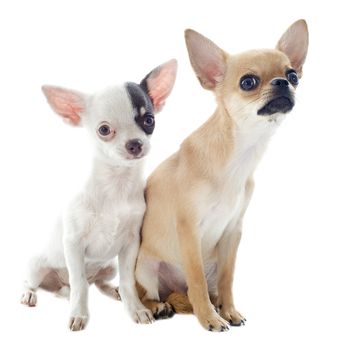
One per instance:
(256, 85)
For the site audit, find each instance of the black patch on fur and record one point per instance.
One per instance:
(143, 83)
(139, 98)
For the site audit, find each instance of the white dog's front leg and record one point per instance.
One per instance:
(74, 255)
(127, 262)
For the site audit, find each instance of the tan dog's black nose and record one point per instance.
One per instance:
(280, 83)
(134, 146)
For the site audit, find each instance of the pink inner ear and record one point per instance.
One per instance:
(68, 104)
(159, 91)
(294, 43)
(160, 83)
(207, 59)
(213, 73)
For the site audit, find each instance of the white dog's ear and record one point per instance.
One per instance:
(207, 59)
(294, 43)
(68, 104)
(159, 83)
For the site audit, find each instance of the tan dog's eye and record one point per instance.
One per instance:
(292, 77)
(249, 82)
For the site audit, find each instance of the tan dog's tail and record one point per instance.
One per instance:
(180, 303)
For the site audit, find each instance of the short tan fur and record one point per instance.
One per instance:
(196, 199)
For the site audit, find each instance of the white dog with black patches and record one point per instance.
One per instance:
(105, 218)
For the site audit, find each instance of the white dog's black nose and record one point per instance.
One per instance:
(280, 83)
(134, 146)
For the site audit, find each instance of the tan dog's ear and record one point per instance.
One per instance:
(294, 43)
(207, 59)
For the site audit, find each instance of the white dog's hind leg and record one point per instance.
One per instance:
(63, 292)
(101, 281)
(108, 289)
(36, 272)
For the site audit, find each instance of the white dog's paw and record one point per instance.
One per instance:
(78, 323)
(29, 298)
(115, 293)
(143, 316)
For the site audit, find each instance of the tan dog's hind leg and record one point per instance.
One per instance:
(190, 248)
(180, 303)
(147, 279)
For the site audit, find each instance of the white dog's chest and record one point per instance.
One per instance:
(111, 229)
(102, 240)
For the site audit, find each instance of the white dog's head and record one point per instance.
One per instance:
(120, 120)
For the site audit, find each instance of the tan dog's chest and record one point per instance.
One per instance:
(222, 209)
(224, 202)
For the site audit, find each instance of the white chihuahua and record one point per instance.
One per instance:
(104, 220)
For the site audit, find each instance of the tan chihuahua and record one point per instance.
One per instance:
(196, 199)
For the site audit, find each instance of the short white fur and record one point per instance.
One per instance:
(104, 219)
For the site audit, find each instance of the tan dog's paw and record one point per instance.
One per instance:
(159, 309)
(232, 316)
(162, 310)
(213, 322)
(78, 323)
(29, 298)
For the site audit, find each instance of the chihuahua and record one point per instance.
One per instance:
(104, 219)
(196, 199)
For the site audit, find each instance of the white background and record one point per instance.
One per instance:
(292, 280)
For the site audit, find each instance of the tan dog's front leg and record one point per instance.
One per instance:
(190, 248)
(227, 251)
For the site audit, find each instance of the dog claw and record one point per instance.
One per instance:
(29, 299)
(78, 323)
(214, 323)
(241, 323)
(142, 316)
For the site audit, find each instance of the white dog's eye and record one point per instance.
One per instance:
(105, 131)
